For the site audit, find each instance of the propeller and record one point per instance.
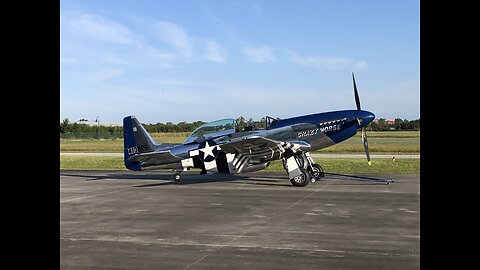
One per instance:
(365, 145)
(364, 133)
(357, 99)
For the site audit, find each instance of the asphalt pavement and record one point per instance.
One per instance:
(144, 220)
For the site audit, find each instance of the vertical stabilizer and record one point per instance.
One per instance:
(136, 140)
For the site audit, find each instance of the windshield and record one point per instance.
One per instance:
(270, 121)
(220, 127)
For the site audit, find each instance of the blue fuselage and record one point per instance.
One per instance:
(303, 133)
(311, 132)
(320, 130)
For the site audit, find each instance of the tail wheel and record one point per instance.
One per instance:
(301, 180)
(177, 177)
(316, 171)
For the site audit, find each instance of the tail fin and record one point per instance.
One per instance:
(136, 140)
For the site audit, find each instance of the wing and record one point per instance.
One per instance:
(252, 152)
(255, 147)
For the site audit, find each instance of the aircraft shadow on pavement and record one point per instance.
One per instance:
(263, 179)
(195, 179)
(116, 176)
(356, 179)
(187, 179)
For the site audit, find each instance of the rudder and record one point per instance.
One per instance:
(136, 140)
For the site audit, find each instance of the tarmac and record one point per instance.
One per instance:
(144, 220)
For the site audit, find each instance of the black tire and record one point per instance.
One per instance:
(177, 177)
(316, 172)
(301, 180)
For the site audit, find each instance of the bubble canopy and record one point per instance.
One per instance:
(212, 129)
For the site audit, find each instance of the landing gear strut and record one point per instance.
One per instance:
(302, 169)
(315, 171)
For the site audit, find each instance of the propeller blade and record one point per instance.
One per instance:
(357, 99)
(365, 145)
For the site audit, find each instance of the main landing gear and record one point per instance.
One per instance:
(301, 180)
(303, 168)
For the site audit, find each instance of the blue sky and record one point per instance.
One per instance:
(173, 61)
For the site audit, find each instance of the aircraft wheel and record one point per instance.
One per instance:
(301, 180)
(177, 177)
(316, 171)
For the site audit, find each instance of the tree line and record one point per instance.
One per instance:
(383, 125)
(80, 130)
(84, 131)
(171, 127)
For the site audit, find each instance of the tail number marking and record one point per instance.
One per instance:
(137, 149)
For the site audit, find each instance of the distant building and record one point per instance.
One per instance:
(389, 121)
(386, 121)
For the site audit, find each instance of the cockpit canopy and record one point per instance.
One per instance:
(270, 122)
(212, 130)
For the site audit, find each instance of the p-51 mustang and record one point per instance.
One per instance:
(217, 146)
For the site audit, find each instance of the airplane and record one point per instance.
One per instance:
(221, 147)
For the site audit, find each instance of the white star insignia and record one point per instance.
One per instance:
(207, 151)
